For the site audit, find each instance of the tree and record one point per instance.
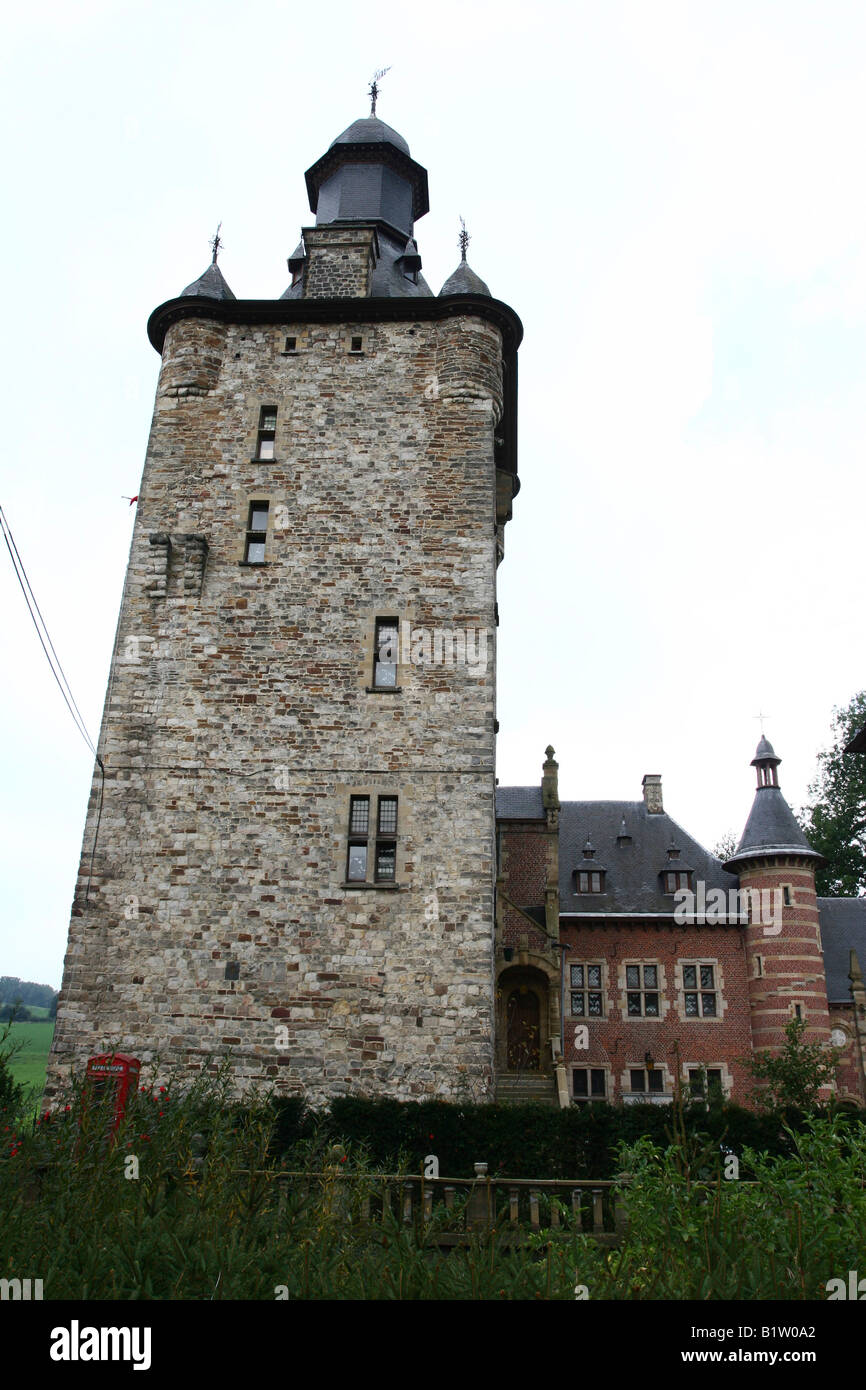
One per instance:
(11, 1091)
(834, 821)
(726, 845)
(796, 1075)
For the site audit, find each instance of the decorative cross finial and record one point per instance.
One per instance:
(215, 244)
(762, 717)
(463, 240)
(374, 88)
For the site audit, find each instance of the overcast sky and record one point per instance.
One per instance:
(670, 195)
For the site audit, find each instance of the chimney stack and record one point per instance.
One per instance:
(652, 794)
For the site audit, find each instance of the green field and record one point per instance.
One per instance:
(29, 1063)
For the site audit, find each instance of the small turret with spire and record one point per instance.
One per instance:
(776, 867)
(464, 280)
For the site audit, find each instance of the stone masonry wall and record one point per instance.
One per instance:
(239, 722)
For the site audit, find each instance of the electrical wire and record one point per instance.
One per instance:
(56, 670)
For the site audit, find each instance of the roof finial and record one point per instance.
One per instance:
(215, 244)
(463, 240)
(374, 88)
(762, 717)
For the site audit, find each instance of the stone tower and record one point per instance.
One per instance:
(776, 867)
(292, 858)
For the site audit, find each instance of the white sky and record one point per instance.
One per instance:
(670, 195)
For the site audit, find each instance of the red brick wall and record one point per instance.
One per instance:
(618, 1042)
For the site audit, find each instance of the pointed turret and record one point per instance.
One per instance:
(464, 280)
(776, 867)
(772, 828)
(211, 285)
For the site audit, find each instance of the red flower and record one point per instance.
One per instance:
(162, 1090)
(67, 1107)
(145, 1137)
(343, 1159)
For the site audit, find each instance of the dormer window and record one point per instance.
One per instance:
(589, 876)
(589, 880)
(676, 879)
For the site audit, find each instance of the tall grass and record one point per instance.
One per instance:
(190, 1201)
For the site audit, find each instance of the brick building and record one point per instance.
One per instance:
(630, 960)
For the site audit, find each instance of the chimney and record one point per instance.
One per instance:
(652, 794)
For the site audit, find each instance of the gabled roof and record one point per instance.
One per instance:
(843, 930)
(633, 864)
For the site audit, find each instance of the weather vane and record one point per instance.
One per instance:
(463, 240)
(215, 244)
(374, 88)
(761, 717)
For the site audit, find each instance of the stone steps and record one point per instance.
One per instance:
(525, 1089)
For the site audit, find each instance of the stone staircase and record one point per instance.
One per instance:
(525, 1088)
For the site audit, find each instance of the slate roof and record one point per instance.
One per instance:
(212, 285)
(464, 281)
(843, 929)
(633, 866)
(772, 829)
(369, 130)
(519, 803)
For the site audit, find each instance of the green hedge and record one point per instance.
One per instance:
(522, 1141)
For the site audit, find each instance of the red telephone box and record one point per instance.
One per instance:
(110, 1077)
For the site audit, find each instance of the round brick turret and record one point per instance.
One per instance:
(776, 867)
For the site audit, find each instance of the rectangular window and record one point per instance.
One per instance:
(587, 1000)
(709, 1078)
(385, 658)
(386, 842)
(267, 432)
(589, 881)
(647, 1081)
(372, 841)
(257, 533)
(642, 991)
(676, 879)
(699, 986)
(589, 1083)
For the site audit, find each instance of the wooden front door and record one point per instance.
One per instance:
(523, 1030)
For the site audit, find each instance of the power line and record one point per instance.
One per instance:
(56, 670)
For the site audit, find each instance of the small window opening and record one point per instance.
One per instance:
(257, 533)
(291, 345)
(357, 343)
(267, 432)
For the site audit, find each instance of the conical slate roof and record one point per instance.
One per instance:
(464, 281)
(211, 285)
(772, 827)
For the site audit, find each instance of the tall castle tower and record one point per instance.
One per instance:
(292, 857)
(784, 953)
